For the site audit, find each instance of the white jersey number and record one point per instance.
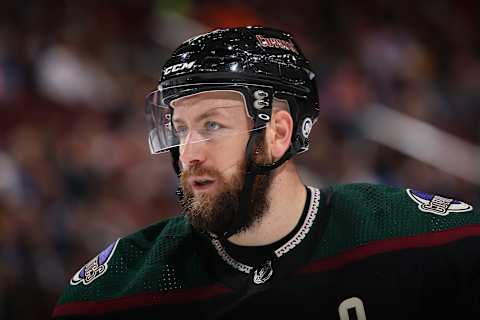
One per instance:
(352, 303)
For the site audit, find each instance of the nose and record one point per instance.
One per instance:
(192, 154)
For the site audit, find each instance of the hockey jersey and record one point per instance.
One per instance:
(360, 251)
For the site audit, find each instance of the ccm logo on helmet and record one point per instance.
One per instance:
(179, 67)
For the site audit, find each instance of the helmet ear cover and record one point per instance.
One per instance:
(299, 141)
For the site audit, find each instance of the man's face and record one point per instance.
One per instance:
(214, 129)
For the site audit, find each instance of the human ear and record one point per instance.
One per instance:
(280, 133)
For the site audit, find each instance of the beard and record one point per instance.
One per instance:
(219, 212)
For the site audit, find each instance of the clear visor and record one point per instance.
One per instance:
(203, 117)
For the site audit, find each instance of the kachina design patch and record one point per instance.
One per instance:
(437, 204)
(95, 267)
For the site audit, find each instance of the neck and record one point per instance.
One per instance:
(287, 196)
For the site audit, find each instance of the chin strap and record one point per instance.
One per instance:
(175, 153)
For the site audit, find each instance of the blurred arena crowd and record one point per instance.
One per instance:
(75, 169)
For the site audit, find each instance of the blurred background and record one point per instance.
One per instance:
(399, 85)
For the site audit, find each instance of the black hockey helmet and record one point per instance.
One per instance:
(258, 62)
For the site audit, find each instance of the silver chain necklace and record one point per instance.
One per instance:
(265, 272)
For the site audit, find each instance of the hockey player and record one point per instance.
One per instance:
(232, 107)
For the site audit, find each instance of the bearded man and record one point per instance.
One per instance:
(233, 107)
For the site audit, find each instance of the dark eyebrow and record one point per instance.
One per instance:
(211, 112)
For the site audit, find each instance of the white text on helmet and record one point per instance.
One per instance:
(179, 67)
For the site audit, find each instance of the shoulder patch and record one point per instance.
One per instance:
(436, 204)
(95, 268)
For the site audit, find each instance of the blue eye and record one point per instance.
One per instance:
(181, 131)
(212, 126)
